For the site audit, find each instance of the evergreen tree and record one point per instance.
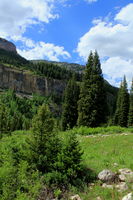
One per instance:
(92, 103)
(122, 107)
(70, 107)
(44, 144)
(130, 116)
(70, 160)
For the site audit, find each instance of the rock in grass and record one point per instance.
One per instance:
(121, 187)
(104, 185)
(75, 197)
(107, 176)
(98, 198)
(128, 197)
(126, 175)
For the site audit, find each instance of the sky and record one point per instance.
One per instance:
(67, 30)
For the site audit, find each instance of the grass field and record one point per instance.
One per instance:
(104, 148)
(108, 152)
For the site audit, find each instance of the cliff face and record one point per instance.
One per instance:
(22, 82)
(8, 46)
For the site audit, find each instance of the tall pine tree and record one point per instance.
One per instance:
(122, 107)
(70, 107)
(130, 116)
(92, 103)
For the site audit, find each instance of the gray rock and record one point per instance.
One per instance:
(126, 175)
(107, 176)
(128, 197)
(104, 185)
(75, 197)
(121, 187)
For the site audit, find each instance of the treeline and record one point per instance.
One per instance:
(54, 71)
(124, 108)
(89, 105)
(41, 68)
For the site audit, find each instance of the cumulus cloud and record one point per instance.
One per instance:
(44, 50)
(113, 40)
(16, 16)
(115, 68)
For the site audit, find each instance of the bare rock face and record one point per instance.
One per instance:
(107, 176)
(23, 82)
(8, 46)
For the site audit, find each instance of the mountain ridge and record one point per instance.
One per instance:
(8, 46)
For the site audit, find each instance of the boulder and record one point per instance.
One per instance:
(121, 187)
(126, 175)
(107, 176)
(128, 197)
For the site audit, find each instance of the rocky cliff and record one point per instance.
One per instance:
(8, 46)
(24, 82)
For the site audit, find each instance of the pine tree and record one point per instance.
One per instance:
(92, 103)
(122, 107)
(70, 107)
(70, 160)
(44, 143)
(130, 116)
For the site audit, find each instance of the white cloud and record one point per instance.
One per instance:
(115, 68)
(16, 16)
(43, 50)
(114, 40)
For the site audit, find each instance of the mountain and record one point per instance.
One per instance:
(70, 66)
(8, 46)
(43, 77)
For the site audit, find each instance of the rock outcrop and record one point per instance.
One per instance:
(27, 83)
(8, 46)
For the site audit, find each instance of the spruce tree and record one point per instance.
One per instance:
(70, 160)
(70, 106)
(44, 144)
(130, 116)
(122, 107)
(92, 103)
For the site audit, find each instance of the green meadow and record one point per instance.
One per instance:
(106, 151)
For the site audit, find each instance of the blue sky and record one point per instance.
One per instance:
(66, 30)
